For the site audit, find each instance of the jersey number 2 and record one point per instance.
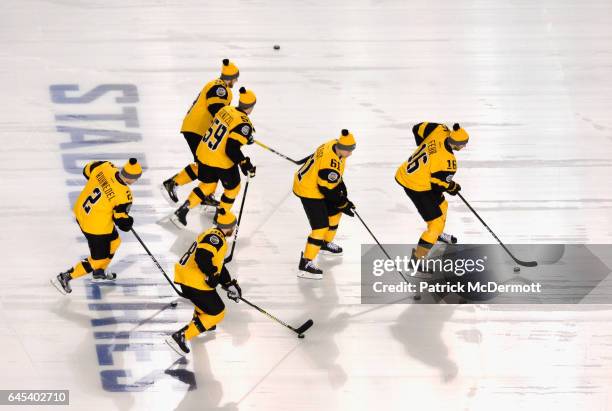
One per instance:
(217, 132)
(92, 199)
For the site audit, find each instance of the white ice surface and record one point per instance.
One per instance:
(529, 80)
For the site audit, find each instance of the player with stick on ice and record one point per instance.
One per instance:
(219, 156)
(103, 204)
(320, 187)
(201, 269)
(215, 95)
(426, 176)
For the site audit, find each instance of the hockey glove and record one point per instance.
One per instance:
(347, 208)
(453, 188)
(247, 168)
(342, 189)
(234, 292)
(125, 224)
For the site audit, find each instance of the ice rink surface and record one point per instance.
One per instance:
(529, 80)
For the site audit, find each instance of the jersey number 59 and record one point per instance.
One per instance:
(217, 132)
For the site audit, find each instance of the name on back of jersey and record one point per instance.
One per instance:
(105, 185)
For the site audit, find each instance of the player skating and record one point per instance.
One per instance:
(198, 273)
(321, 189)
(427, 175)
(219, 156)
(215, 95)
(103, 204)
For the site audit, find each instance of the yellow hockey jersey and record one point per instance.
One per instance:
(230, 124)
(104, 198)
(214, 96)
(207, 253)
(323, 170)
(430, 167)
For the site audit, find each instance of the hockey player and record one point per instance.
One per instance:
(215, 95)
(198, 273)
(219, 156)
(427, 174)
(103, 204)
(421, 132)
(319, 185)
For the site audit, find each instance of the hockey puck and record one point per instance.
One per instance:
(173, 303)
(517, 269)
(300, 335)
(416, 297)
(276, 47)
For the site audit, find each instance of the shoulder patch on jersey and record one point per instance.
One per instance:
(333, 176)
(245, 130)
(213, 239)
(221, 92)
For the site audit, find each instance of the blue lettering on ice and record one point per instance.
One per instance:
(128, 115)
(84, 139)
(59, 93)
(142, 351)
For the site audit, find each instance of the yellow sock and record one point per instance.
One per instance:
(421, 251)
(186, 175)
(334, 220)
(192, 331)
(314, 243)
(80, 269)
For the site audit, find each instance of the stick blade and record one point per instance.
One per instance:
(526, 263)
(302, 328)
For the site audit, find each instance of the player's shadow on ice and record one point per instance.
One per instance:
(205, 392)
(320, 301)
(419, 329)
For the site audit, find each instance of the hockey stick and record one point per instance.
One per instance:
(298, 162)
(156, 263)
(246, 187)
(300, 330)
(516, 260)
(377, 242)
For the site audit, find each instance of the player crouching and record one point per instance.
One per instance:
(319, 185)
(425, 176)
(104, 202)
(198, 273)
